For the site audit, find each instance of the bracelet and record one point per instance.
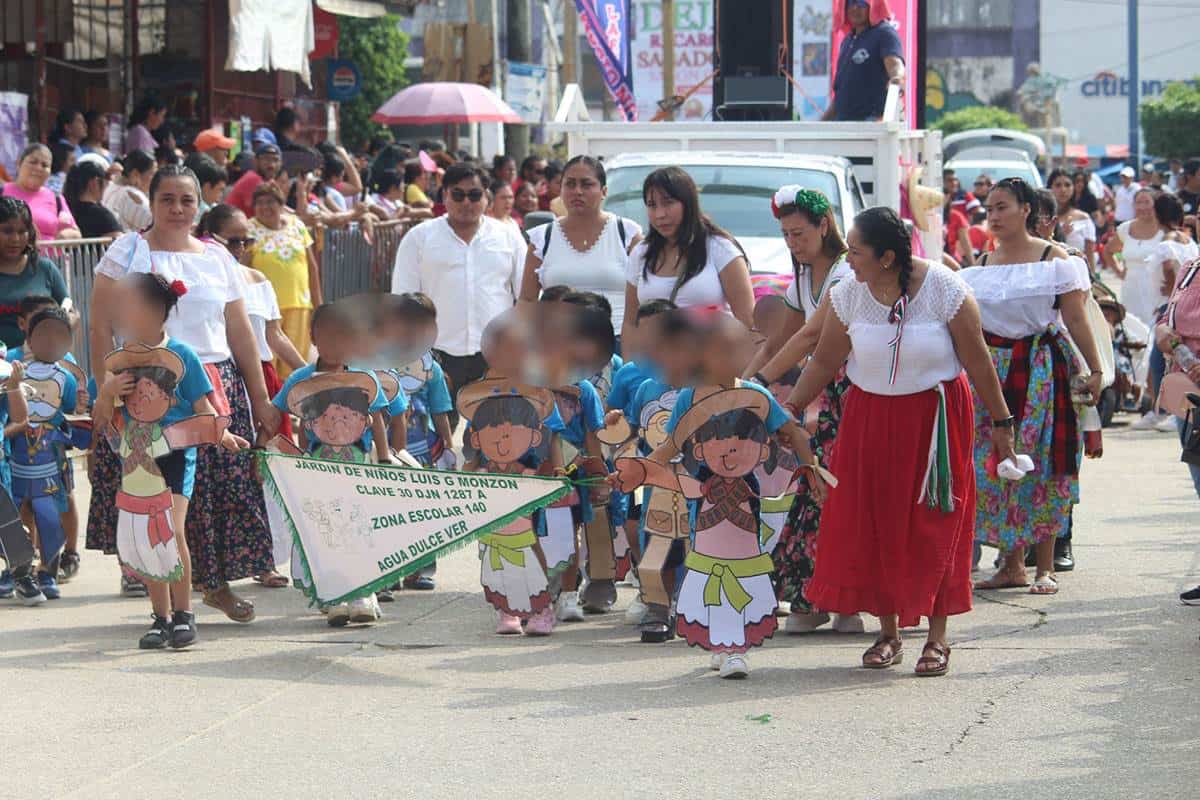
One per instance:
(1007, 422)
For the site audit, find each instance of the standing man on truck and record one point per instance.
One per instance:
(869, 59)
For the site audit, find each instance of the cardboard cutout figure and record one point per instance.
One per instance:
(37, 472)
(620, 440)
(506, 421)
(424, 443)
(145, 531)
(726, 602)
(335, 413)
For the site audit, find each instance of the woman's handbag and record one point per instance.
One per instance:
(1191, 433)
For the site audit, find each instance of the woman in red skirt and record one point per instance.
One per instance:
(897, 533)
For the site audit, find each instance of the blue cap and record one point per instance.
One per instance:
(264, 136)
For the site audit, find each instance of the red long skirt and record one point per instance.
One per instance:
(274, 384)
(883, 550)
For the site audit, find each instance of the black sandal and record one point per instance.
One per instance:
(68, 565)
(159, 635)
(657, 625)
(183, 629)
(889, 652)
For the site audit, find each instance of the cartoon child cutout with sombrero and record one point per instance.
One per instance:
(507, 423)
(778, 484)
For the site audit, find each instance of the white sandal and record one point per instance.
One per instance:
(1045, 584)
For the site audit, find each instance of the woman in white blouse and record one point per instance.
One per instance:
(1022, 288)
(1078, 230)
(587, 249)
(227, 529)
(685, 257)
(896, 534)
(1137, 241)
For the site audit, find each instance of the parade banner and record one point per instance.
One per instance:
(359, 528)
(606, 25)
(812, 27)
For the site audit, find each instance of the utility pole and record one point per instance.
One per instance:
(520, 48)
(1135, 146)
(668, 54)
(570, 47)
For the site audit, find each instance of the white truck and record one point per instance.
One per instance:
(864, 162)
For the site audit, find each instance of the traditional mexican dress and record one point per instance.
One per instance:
(1035, 363)
(511, 574)
(796, 551)
(896, 533)
(726, 603)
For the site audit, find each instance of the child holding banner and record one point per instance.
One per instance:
(162, 391)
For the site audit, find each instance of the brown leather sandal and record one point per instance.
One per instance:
(271, 580)
(935, 665)
(224, 600)
(888, 651)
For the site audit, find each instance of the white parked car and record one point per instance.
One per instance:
(996, 163)
(736, 190)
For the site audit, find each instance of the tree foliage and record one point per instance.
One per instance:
(378, 48)
(1171, 124)
(975, 117)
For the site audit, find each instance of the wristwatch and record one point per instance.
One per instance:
(1007, 422)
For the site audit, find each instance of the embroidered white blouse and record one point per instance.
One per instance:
(1018, 300)
(927, 356)
(802, 296)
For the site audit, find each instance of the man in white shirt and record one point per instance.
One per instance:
(1124, 194)
(470, 265)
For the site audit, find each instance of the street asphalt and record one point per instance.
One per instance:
(1088, 694)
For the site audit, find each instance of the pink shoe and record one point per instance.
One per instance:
(541, 624)
(507, 623)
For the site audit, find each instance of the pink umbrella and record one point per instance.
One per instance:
(444, 103)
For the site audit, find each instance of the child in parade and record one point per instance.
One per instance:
(509, 422)
(154, 407)
(428, 436)
(68, 562)
(340, 420)
(723, 429)
(38, 482)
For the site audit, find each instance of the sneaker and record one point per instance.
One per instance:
(635, 612)
(183, 629)
(385, 596)
(132, 586)
(734, 667)
(541, 624)
(7, 585)
(1064, 558)
(422, 583)
(1191, 598)
(805, 623)
(338, 616)
(48, 585)
(68, 566)
(848, 623)
(1148, 422)
(507, 624)
(716, 661)
(365, 610)
(1167, 423)
(158, 636)
(28, 592)
(566, 607)
(599, 596)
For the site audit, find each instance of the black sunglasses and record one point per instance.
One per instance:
(458, 195)
(235, 242)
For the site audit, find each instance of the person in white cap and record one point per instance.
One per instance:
(1124, 193)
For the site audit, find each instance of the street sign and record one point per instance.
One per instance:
(345, 82)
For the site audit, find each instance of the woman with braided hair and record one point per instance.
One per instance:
(897, 531)
(1022, 287)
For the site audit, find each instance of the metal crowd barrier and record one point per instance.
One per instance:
(76, 259)
(354, 261)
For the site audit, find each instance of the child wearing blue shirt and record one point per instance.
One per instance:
(15, 548)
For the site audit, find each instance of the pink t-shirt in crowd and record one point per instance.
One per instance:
(50, 212)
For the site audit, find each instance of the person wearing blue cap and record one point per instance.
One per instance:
(870, 58)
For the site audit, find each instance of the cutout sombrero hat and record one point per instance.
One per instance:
(712, 401)
(323, 381)
(922, 199)
(473, 394)
(140, 355)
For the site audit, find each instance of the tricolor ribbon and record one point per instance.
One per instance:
(899, 310)
(937, 490)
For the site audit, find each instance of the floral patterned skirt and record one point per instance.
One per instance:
(794, 555)
(227, 529)
(102, 512)
(1037, 507)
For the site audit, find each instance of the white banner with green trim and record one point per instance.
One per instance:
(359, 528)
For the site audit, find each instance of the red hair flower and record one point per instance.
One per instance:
(178, 288)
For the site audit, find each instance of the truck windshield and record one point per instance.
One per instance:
(738, 198)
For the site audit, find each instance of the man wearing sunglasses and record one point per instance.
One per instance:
(469, 264)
